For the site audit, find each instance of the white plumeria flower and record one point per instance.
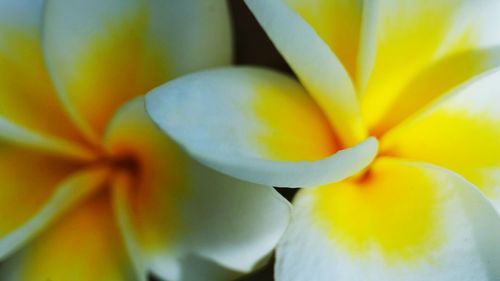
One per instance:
(416, 77)
(90, 188)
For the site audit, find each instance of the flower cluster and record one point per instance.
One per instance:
(130, 146)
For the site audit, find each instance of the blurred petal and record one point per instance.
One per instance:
(461, 132)
(315, 64)
(14, 134)
(196, 34)
(27, 179)
(403, 221)
(67, 194)
(255, 125)
(84, 245)
(26, 92)
(102, 54)
(120, 188)
(421, 50)
(185, 214)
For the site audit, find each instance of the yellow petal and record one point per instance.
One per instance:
(84, 245)
(318, 68)
(374, 211)
(422, 49)
(434, 82)
(338, 23)
(102, 54)
(15, 134)
(28, 179)
(121, 185)
(256, 125)
(131, 135)
(402, 221)
(26, 92)
(68, 193)
(461, 132)
(185, 218)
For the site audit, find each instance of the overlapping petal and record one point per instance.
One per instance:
(402, 221)
(460, 132)
(67, 194)
(186, 220)
(26, 92)
(105, 53)
(14, 134)
(28, 178)
(338, 23)
(84, 245)
(256, 125)
(319, 69)
(417, 50)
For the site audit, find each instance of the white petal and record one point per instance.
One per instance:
(187, 220)
(102, 54)
(404, 221)
(26, 92)
(235, 120)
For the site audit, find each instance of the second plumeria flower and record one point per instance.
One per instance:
(388, 69)
(90, 188)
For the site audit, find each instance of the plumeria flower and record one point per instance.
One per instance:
(91, 189)
(393, 133)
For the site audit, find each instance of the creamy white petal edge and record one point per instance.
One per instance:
(222, 240)
(206, 113)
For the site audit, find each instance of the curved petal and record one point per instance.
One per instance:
(403, 221)
(121, 185)
(338, 23)
(255, 125)
(185, 214)
(14, 134)
(105, 53)
(412, 41)
(460, 132)
(67, 194)
(27, 181)
(26, 92)
(84, 245)
(315, 64)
